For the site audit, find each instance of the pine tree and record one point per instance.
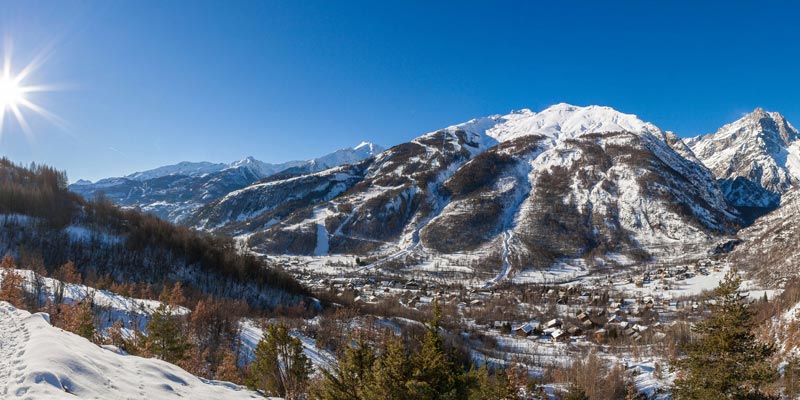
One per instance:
(726, 361)
(434, 374)
(392, 371)
(83, 323)
(352, 376)
(280, 368)
(165, 340)
(490, 386)
(575, 392)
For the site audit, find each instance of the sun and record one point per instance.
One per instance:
(14, 93)
(11, 94)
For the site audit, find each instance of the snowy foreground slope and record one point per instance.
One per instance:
(39, 361)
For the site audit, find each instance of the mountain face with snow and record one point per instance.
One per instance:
(769, 246)
(515, 191)
(756, 158)
(173, 192)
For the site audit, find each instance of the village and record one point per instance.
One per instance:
(633, 307)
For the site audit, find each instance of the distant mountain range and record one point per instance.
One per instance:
(509, 192)
(173, 192)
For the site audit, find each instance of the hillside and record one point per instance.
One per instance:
(769, 246)
(41, 219)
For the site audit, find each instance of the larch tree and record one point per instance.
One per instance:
(11, 288)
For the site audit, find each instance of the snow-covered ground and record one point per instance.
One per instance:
(112, 307)
(39, 361)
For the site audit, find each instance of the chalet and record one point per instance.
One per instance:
(553, 323)
(559, 335)
(628, 332)
(425, 301)
(502, 325)
(523, 330)
(476, 303)
(600, 335)
(412, 284)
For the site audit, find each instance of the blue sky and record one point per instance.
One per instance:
(150, 83)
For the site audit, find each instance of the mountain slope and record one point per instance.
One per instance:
(39, 361)
(172, 192)
(523, 189)
(769, 246)
(756, 158)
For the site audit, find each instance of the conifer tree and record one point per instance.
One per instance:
(576, 393)
(83, 323)
(392, 371)
(352, 376)
(165, 340)
(434, 375)
(280, 368)
(726, 361)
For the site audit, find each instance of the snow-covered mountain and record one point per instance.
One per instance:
(182, 168)
(518, 190)
(39, 361)
(174, 191)
(756, 158)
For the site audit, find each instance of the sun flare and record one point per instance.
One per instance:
(10, 93)
(14, 93)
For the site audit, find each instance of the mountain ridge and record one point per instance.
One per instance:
(172, 192)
